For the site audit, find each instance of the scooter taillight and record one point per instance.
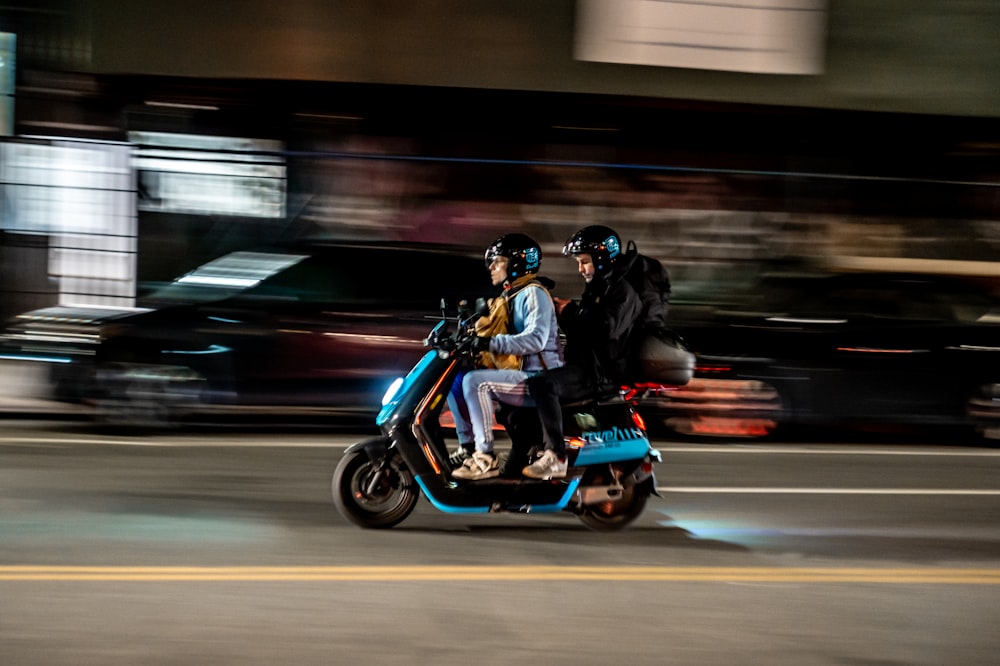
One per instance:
(640, 389)
(638, 421)
(575, 442)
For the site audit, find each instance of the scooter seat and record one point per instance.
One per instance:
(602, 395)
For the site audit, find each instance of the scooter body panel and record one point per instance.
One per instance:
(492, 495)
(412, 388)
(614, 445)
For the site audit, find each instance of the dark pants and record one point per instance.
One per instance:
(550, 389)
(525, 432)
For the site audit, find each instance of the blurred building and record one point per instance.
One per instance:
(147, 137)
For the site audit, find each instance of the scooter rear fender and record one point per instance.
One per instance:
(644, 474)
(649, 480)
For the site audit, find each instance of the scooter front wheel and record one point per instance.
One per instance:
(375, 494)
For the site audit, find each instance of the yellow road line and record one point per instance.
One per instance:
(506, 573)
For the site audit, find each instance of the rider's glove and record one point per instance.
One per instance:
(481, 344)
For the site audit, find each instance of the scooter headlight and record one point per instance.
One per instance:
(392, 391)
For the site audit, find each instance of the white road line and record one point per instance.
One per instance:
(207, 442)
(823, 491)
(343, 441)
(719, 490)
(833, 450)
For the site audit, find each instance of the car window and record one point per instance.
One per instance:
(365, 277)
(873, 302)
(308, 281)
(225, 276)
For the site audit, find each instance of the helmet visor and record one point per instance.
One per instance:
(575, 245)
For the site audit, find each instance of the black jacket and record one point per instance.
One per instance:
(600, 327)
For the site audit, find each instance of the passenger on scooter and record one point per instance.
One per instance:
(599, 329)
(513, 261)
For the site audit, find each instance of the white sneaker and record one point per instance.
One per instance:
(548, 466)
(478, 466)
(459, 456)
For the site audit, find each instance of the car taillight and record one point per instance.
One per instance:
(710, 368)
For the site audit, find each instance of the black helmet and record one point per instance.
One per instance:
(602, 244)
(522, 252)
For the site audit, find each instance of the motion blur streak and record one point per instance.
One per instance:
(455, 573)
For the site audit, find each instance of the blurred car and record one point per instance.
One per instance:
(318, 329)
(853, 349)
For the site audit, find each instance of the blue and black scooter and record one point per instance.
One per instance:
(379, 480)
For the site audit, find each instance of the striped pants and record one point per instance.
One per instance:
(472, 398)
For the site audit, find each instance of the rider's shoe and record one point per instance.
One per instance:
(460, 455)
(548, 466)
(478, 466)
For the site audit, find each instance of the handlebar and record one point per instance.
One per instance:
(442, 339)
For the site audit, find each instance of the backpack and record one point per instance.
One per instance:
(495, 323)
(498, 321)
(658, 354)
(650, 280)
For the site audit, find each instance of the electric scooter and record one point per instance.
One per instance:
(379, 480)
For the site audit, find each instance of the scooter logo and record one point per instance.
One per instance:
(531, 258)
(616, 434)
(613, 247)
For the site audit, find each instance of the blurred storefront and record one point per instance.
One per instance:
(68, 222)
(148, 140)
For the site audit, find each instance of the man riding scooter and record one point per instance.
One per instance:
(600, 329)
(532, 334)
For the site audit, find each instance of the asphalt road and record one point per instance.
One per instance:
(224, 548)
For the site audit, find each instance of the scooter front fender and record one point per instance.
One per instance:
(374, 447)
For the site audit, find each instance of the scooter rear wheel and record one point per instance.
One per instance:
(614, 515)
(370, 496)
